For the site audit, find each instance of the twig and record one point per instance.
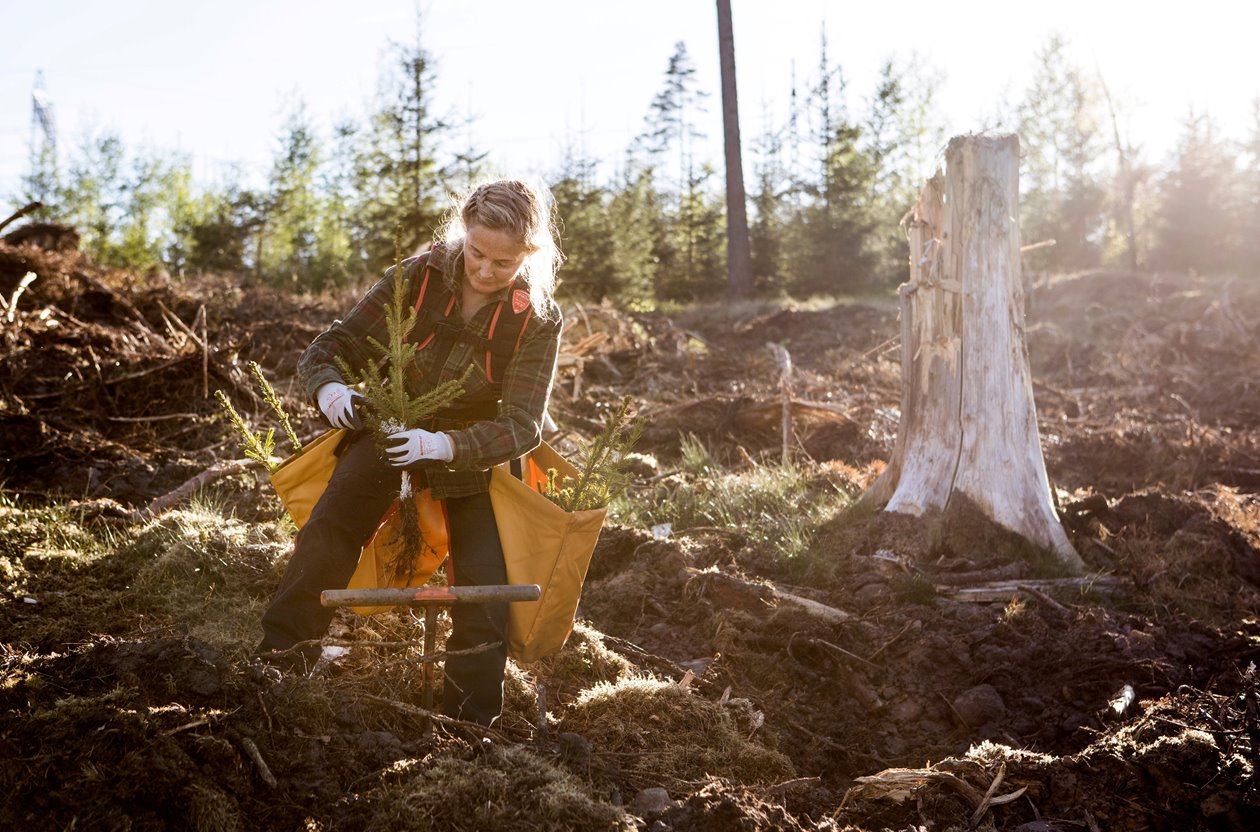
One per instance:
(952, 709)
(164, 418)
(1036, 246)
(157, 368)
(788, 785)
(205, 353)
(21, 212)
(1002, 591)
(205, 720)
(816, 608)
(440, 719)
(988, 795)
(187, 330)
(1044, 598)
(254, 754)
(91, 509)
(837, 648)
(990, 801)
(891, 641)
(337, 642)
(11, 306)
(211, 474)
(784, 360)
(540, 726)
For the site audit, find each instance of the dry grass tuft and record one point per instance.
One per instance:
(655, 733)
(583, 660)
(505, 789)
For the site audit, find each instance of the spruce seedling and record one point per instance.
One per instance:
(603, 475)
(391, 408)
(269, 395)
(256, 446)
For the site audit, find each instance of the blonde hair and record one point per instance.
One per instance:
(525, 210)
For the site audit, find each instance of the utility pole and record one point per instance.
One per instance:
(738, 255)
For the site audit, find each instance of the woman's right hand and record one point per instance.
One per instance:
(336, 401)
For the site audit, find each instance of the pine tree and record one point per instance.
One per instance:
(829, 237)
(390, 406)
(671, 126)
(1062, 195)
(1196, 225)
(92, 197)
(635, 212)
(772, 187)
(903, 132)
(341, 246)
(401, 183)
(289, 240)
(1247, 251)
(702, 233)
(671, 119)
(178, 204)
(217, 229)
(587, 231)
(136, 231)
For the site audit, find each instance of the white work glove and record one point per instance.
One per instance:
(336, 402)
(410, 446)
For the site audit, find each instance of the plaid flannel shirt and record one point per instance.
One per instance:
(526, 381)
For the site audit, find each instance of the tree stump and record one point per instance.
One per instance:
(968, 421)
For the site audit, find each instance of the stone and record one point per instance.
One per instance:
(651, 801)
(979, 705)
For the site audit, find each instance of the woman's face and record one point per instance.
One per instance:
(491, 259)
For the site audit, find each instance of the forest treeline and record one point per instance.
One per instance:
(827, 189)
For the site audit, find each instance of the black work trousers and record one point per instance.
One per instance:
(327, 551)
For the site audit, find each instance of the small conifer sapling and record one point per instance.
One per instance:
(391, 408)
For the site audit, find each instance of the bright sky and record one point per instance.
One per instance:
(213, 79)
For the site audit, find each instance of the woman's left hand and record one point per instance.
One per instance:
(408, 447)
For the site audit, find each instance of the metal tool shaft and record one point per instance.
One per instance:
(424, 596)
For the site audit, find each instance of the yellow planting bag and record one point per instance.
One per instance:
(300, 481)
(542, 544)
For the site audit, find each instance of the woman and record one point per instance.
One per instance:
(489, 282)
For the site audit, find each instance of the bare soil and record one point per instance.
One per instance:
(1127, 701)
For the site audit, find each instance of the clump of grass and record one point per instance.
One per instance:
(659, 733)
(209, 572)
(50, 540)
(774, 507)
(508, 788)
(914, 588)
(694, 456)
(210, 809)
(583, 659)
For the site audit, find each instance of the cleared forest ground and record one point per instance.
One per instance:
(777, 659)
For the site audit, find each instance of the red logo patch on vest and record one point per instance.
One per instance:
(520, 301)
